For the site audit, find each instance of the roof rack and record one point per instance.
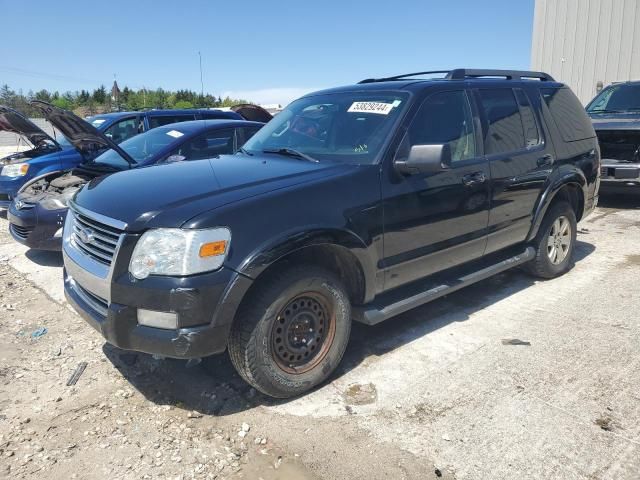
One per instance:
(463, 73)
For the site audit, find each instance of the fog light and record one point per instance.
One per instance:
(58, 233)
(151, 318)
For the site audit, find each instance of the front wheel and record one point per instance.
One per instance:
(554, 243)
(291, 331)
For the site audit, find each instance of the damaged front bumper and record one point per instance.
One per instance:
(111, 300)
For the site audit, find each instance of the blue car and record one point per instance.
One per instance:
(54, 155)
(38, 212)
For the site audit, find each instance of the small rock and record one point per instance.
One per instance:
(438, 472)
(446, 438)
(194, 414)
(242, 434)
(257, 440)
(263, 441)
(39, 448)
(245, 427)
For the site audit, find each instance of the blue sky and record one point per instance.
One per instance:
(265, 51)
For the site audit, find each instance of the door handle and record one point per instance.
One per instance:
(545, 160)
(474, 178)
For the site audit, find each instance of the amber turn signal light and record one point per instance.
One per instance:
(213, 249)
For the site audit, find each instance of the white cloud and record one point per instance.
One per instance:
(283, 96)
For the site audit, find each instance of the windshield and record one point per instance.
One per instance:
(346, 127)
(616, 98)
(142, 148)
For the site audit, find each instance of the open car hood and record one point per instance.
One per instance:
(14, 122)
(89, 141)
(253, 113)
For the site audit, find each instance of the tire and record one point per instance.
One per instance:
(291, 331)
(546, 263)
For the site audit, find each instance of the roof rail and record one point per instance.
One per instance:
(463, 73)
(400, 77)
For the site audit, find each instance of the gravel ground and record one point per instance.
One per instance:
(510, 378)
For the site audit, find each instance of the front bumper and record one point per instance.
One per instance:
(108, 298)
(36, 227)
(119, 326)
(623, 177)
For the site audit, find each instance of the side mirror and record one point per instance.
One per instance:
(425, 159)
(175, 158)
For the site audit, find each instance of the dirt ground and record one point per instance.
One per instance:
(510, 378)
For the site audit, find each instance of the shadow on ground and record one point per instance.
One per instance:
(619, 201)
(45, 258)
(214, 388)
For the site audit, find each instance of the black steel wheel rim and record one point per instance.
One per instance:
(303, 332)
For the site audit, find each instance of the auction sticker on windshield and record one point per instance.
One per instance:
(97, 122)
(371, 107)
(175, 133)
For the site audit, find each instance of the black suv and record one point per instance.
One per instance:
(615, 113)
(359, 202)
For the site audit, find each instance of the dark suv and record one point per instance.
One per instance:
(359, 202)
(615, 113)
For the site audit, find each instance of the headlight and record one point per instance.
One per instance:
(174, 251)
(15, 170)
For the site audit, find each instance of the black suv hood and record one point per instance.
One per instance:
(81, 134)
(13, 121)
(170, 195)
(616, 121)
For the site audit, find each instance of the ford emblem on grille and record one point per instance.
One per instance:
(86, 235)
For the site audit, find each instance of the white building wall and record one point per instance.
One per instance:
(582, 42)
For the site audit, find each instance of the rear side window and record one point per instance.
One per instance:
(505, 125)
(531, 134)
(569, 115)
(159, 121)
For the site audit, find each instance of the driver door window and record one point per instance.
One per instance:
(122, 130)
(209, 145)
(443, 118)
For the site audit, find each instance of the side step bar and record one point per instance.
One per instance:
(373, 313)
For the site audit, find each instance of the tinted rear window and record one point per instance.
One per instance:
(506, 133)
(570, 117)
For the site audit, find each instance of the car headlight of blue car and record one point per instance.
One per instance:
(15, 170)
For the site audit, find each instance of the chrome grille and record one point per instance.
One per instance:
(20, 232)
(95, 239)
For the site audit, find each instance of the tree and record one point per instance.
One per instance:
(100, 95)
(7, 96)
(183, 104)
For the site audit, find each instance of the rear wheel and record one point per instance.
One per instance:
(554, 242)
(291, 331)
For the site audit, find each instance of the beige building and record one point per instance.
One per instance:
(587, 43)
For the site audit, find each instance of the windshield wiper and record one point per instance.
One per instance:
(246, 152)
(606, 111)
(290, 152)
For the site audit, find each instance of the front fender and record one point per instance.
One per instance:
(276, 249)
(568, 175)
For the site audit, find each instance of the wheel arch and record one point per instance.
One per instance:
(570, 187)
